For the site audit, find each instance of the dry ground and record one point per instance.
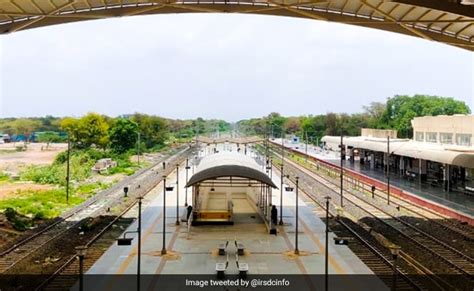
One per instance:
(11, 161)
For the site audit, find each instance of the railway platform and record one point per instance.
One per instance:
(453, 204)
(195, 250)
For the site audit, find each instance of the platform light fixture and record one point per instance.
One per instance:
(127, 241)
(326, 251)
(186, 188)
(395, 250)
(177, 194)
(81, 253)
(297, 251)
(165, 189)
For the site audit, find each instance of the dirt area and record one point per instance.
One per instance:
(36, 154)
(8, 190)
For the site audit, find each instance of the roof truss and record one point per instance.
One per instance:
(444, 21)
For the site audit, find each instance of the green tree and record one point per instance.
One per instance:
(49, 137)
(88, 130)
(123, 135)
(401, 109)
(154, 130)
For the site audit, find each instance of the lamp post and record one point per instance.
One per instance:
(177, 194)
(326, 254)
(139, 230)
(128, 241)
(68, 167)
(342, 171)
(163, 249)
(265, 196)
(138, 148)
(388, 169)
(281, 194)
(81, 253)
(297, 251)
(306, 146)
(395, 250)
(165, 189)
(270, 170)
(186, 189)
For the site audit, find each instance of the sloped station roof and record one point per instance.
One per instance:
(228, 164)
(447, 21)
(446, 154)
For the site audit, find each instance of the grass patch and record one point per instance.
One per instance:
(29, 206)
(4, 177)
(125, 166)
(81, 163)
(41, 204)
(91, 188)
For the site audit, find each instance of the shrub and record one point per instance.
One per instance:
(10, 213)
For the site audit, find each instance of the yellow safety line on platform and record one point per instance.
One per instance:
(290, 247)
(169, 247)
(322, 248)
(133, 253)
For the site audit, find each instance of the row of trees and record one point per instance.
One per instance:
(396, 113)
(119, 134)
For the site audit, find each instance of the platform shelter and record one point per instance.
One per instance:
(226, 184)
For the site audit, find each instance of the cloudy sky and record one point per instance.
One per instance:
(225, 66)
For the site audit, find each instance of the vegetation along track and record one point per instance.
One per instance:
(95, 212)
(417, 243)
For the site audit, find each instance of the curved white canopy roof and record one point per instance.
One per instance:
(229, 164)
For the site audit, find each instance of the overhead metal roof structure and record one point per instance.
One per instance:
(446, 154)
(447, 21)
(228, 164)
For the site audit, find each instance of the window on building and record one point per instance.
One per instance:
(463, 139)
(432, 137)
(446, 138)
(419, 136)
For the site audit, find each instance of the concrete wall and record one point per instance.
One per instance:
(455, 124)
(379, 133)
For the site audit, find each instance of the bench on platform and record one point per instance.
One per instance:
(242, 267)
(240, 248)
(221, 268)
(222, 248)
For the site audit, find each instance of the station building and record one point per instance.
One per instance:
(227, 184)
(440, 154)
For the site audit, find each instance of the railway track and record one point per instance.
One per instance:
(370, 251)
(140, 183)
(435, 219)
(453, 261)
(463, 263)
(67, 274)
(466, 232)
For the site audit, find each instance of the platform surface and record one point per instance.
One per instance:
(458, 202)
(195, 250)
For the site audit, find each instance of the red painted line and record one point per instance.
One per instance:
(442, 209)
